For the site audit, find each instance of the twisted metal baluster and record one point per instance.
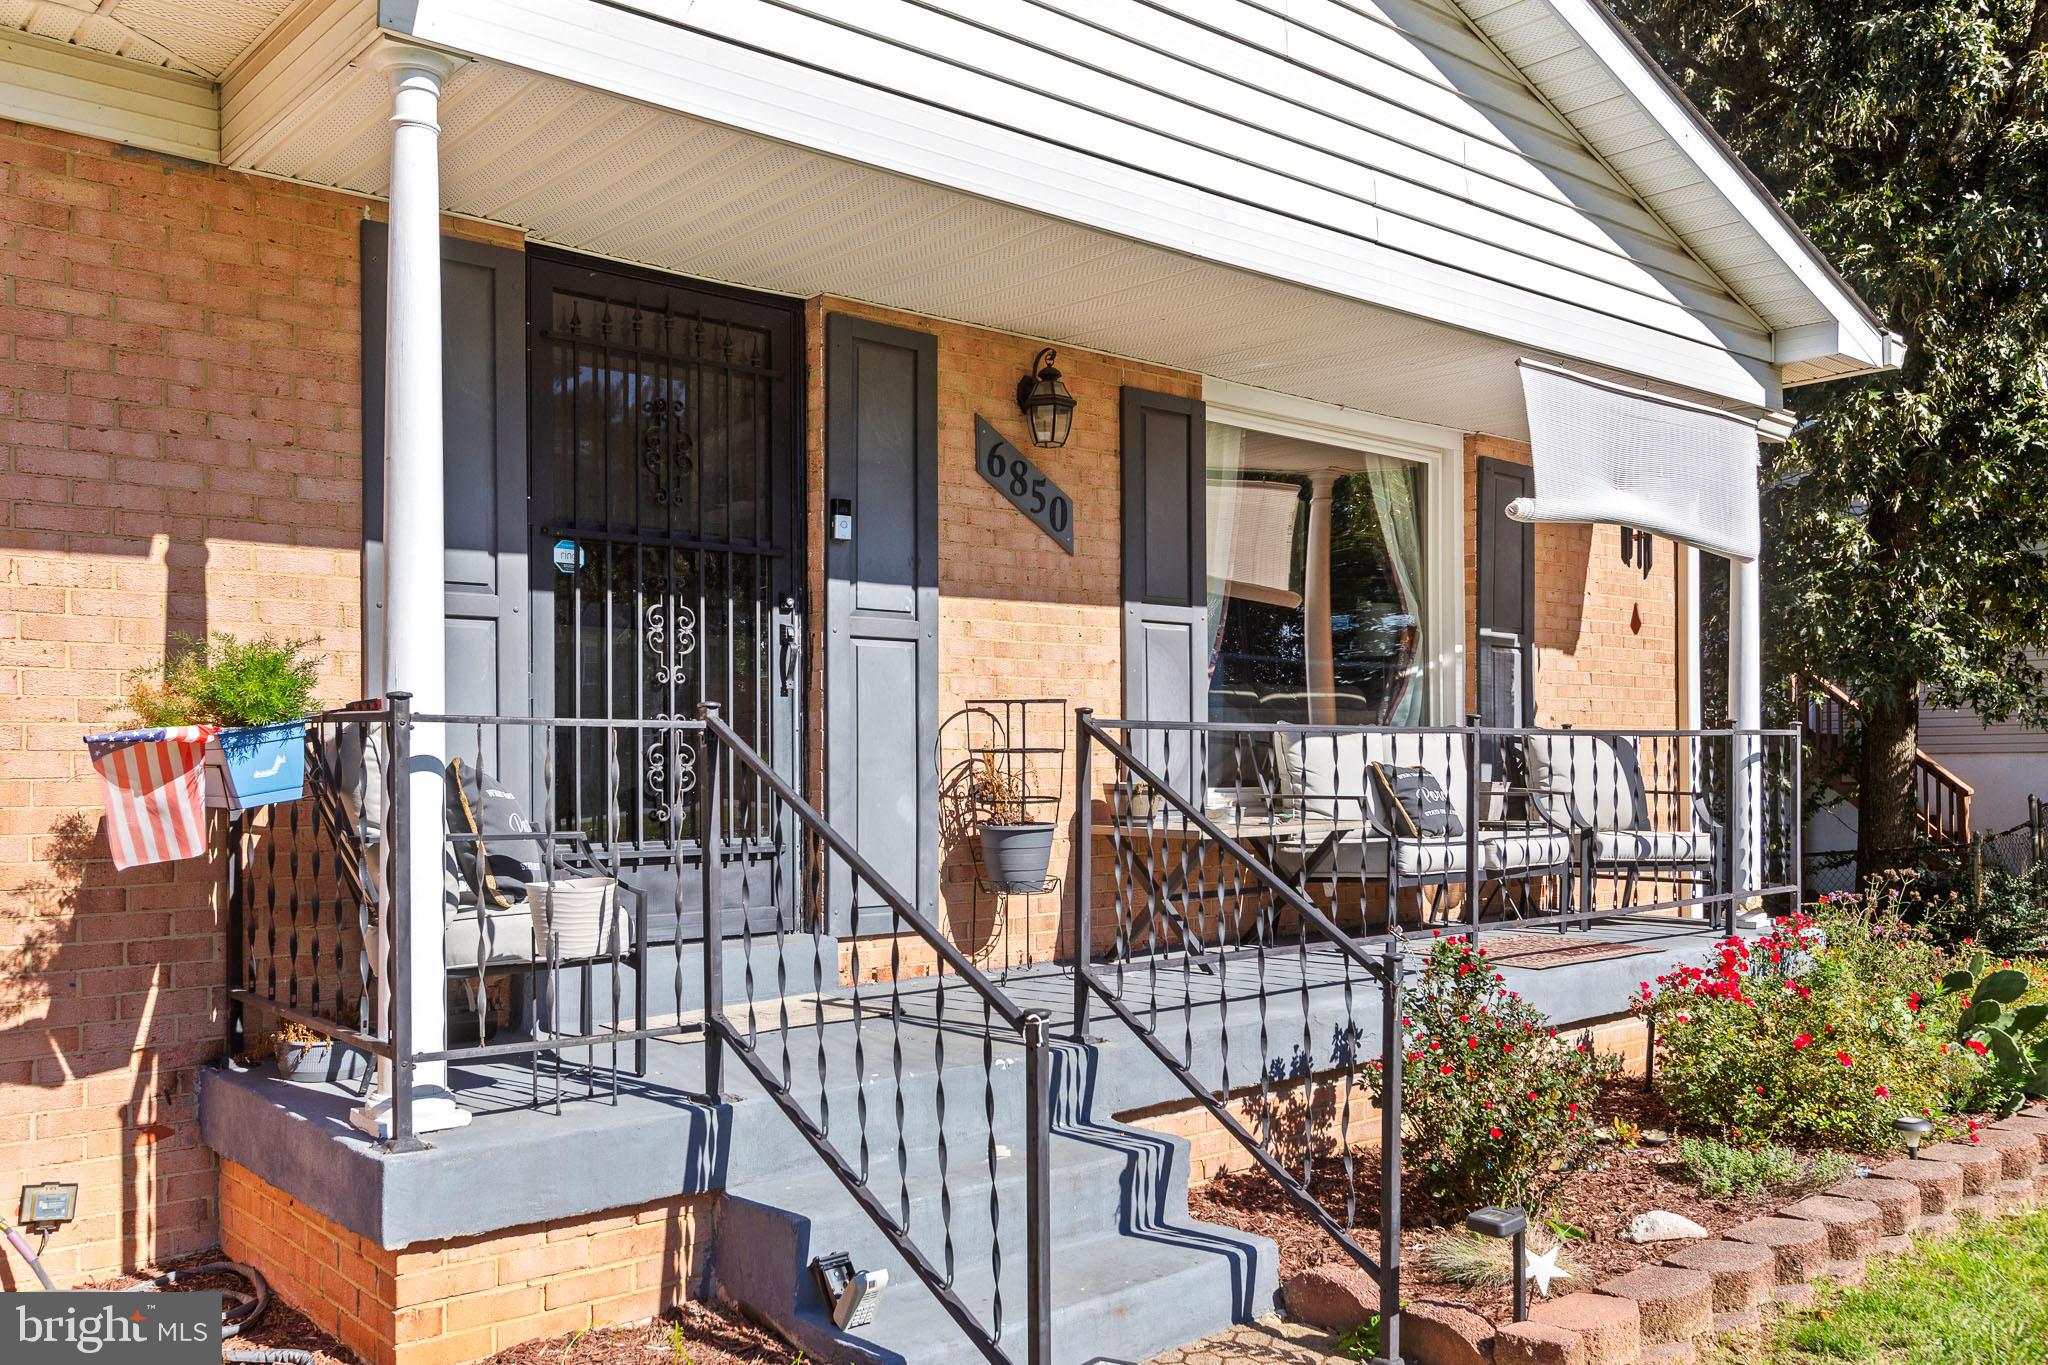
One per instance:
(995, 1198)
(939, 1104)
(896, 1059)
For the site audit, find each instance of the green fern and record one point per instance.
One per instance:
(225, 681)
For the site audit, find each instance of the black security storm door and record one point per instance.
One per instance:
(666, 429)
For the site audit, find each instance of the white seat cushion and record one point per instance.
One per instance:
(1429, 857)
(506, 936)
(1516, 852)
(1653, 846)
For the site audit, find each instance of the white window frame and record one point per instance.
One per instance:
(1441, 453)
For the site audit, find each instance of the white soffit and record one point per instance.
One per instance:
(1597, 77)
(202, 37)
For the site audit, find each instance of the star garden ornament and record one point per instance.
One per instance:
(1543, 1268)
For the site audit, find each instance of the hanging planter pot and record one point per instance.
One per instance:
(1015, 858)
(256, 766)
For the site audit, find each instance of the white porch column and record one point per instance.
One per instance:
(414, 643)
(1317, 642)
(1745, 706)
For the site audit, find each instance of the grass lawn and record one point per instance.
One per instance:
(1977, 1298)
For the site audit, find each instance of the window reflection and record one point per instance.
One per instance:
(1315, 583)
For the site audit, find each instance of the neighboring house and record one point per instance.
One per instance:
(2004, 763)
(587, 362)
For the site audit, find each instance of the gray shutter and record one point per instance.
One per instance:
(490, 601)
(882, 612)
(1165, 577)
(1506, 610)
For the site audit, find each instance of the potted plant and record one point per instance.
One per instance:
(1016, 851)
(257, 692)
(298, 1053)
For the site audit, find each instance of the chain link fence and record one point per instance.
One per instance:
(1942, 867)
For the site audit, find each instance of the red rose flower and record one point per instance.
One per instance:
(1493, 1132)
(1974, 1046)
(1446, 1069)
(1881, 1092)
(1802, 1042)
(1845, 1059)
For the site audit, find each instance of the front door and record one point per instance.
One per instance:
(1506, 610)
(666, 435)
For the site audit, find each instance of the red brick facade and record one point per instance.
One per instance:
(442, 1303)
(179, 452)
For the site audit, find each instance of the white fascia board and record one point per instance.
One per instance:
(1860, 341)
(60, 85)
(667, 64)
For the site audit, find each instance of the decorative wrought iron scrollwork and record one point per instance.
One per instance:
(664, 446)
(668, 666)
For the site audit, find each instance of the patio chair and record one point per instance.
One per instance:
(1358, 792)
(1592, 786)
(502, 912)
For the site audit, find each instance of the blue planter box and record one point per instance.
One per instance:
(261, 764)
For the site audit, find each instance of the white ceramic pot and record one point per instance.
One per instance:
(573, 920)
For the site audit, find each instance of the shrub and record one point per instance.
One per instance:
(225, 681)
(1496, 1109)
(1824, 1033)
(2010, 919)
(1719, 1169)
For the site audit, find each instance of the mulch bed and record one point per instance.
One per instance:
(1599, 1202)
(710, 1335)
(281, 1326)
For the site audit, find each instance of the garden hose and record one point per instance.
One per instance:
(238, 1309)
(21, 1245)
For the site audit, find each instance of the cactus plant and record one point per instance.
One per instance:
(2014, 1041)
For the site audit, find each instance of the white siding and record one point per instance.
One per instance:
(1945, 732)
(60, 86)
(1383, 153)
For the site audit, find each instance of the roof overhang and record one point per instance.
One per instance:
(1601, 79)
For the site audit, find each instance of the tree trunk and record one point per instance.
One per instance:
(1885, 808)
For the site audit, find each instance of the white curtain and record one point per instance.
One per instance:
(1393, 494)
(1226, 455)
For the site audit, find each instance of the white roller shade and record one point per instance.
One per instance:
(1251, 539)
(1604, 452)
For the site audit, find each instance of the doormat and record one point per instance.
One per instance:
(1539, 951)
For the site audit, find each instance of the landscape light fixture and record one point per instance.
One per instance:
(1514, 1223)
(1047, 404)
(1913, 1130)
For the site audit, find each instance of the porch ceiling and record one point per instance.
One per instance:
(201, 37)
(593, 172)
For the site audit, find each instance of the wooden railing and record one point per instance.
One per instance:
(1941, 800)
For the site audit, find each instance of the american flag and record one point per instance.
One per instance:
(156, 792)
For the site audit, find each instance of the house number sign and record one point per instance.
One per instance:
(1029, 489)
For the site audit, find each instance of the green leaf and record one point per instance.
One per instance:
(2029, 1018)
(1957, 981)
(2005, 1049)
(2002, 986)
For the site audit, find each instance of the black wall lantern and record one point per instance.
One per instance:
(1046, 403)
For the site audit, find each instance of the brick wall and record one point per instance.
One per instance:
(1018, 617)
(1606, 637)
(179, 452)
(440, 1303)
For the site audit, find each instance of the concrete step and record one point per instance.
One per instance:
(1123, 1244)
(1115, 1299)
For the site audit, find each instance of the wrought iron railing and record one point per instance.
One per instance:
(785, 1045)
(1246, 936)
(1261, 879)
(544, 802)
